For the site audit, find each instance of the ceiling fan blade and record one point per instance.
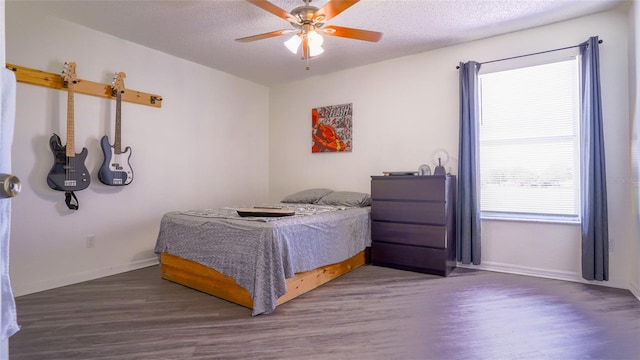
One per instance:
(265, 5)
(333, 8)
(351, 33)
(265, 35)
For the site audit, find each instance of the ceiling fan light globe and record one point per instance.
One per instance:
(293, 44)
(315, 39)
(315, 50)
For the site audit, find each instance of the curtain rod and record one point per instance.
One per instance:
(537, 53)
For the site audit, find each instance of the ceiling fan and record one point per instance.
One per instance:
(308, 22)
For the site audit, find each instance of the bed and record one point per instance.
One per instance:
(263, 261)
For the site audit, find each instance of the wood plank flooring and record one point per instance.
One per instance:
(370, 313)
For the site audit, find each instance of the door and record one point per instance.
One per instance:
(9, 187)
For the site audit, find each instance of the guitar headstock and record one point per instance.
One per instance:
(118, 82)
(69, 73)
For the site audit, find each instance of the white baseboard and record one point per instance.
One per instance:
(543, 273)
(75, 278)
(487, 265)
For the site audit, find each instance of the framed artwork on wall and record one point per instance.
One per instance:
(331, 128)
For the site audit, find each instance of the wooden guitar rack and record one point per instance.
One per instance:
(54, 81)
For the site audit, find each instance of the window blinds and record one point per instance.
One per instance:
(529, 140)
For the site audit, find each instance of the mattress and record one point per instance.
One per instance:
(260, 253)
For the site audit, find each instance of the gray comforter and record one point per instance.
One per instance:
(260, 253)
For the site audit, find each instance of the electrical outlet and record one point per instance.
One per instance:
(91, 241)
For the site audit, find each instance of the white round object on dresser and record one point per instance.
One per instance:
(424, 169)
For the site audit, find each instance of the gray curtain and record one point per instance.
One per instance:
(468, 204)
(595, 227)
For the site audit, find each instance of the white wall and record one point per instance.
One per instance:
(634, 70)
(207, 146)
(404, 109)
(2, 37)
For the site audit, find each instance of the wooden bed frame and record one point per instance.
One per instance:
(210, 281)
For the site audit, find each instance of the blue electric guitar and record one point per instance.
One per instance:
(116, 170)
(68, 172)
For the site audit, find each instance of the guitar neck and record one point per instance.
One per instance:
(117, 146)
(70, 148)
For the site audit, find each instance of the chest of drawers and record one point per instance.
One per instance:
(413, 223)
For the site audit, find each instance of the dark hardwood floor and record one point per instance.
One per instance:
(370, 313)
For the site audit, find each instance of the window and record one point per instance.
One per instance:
(529, 142)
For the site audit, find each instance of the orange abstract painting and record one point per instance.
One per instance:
(331, 128)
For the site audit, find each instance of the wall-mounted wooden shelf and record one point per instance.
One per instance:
(54, 81)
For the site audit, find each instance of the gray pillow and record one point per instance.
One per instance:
(309, 196)
(346, 198)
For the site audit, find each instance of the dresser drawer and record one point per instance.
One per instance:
(411, 212)
(409, 257)
(409, 234)
(431, 188)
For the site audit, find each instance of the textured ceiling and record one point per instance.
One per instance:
(204, 31)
